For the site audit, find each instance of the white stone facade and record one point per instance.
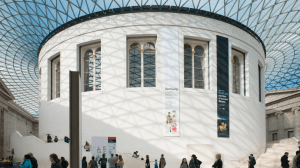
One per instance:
(282, 114)
(13, 118)
(136, 115)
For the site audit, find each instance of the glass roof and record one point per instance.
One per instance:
(25, 23)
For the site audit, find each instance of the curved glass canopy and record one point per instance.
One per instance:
(25, 23)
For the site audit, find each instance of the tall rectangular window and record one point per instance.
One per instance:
(259, 83)
(91, 67)
(141, 62)
(290, 134)
(40, 86)
(55, 77)
(274, 136)
(194, 55)
(238, 72)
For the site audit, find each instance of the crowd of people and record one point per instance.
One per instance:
(295, 161)
(113, 162)
(31, 162)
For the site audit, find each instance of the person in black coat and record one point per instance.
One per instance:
(285, 161)
(218, 163)
(84, 163)
(147, 163)
(251, 161)
(194, 162)
(33, 161)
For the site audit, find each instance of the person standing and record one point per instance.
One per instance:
(93, 163)
(147, 163)
(252, 161)
(111, 161)
(120, 162)
(84, 163)
(285, 161)
(33, 161)
(194, 162)
(184, 163)
(49, 138)
(162, 161)
(155, 164)
(64, 163)
(27, 162)
(55, 162)
(103, 161)
(218, 163)
(295, 159)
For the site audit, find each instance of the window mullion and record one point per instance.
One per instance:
(142, 66)
(193, 69)
(94, 72)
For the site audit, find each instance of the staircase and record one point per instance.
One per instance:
(274, 152)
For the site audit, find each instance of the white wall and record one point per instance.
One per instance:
(135, 115)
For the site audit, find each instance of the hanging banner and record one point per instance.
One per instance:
(223, 86)
(171, 81)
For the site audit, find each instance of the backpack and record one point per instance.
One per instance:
(254, 161)
(103, 161)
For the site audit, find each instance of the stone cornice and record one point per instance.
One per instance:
(20, 111)
(295, 95)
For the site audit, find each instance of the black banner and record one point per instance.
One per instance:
(223, 86)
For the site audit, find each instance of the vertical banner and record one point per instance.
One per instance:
(171, 81)
(223, 86)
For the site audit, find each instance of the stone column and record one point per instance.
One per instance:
(280, 126)
(1, 132)
(267, 129)
(296, 111)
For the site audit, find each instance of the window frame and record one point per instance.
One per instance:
(242, 71)
(205, 64)
(53, 83)
(83, 49)
(275, 133)
(142, 40)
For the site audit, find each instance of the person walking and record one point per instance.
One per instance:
(84, 163)
(147, 163)
(295, 164)
(27, 162)
(218, 163)
(103, 161)
(184, 163)
(162, 161)
(93, 163)
(252, 161)
(55, 162)
(120, 162)
(64, 163)
(194, 162)
(33, 161)
(285, 161)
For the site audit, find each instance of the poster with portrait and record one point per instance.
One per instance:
(171, 81)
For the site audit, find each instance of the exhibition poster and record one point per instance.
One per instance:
(171, 81)
(103, 145)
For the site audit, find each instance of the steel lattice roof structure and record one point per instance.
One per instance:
(24, 24)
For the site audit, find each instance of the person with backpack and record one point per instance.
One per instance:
(194, 162)
(64, 163)
(103, 161)
(162, 161)
(184, 163)
(252, 161)
(218, 163)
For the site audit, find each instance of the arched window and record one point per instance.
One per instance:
(98, 69)
(198, 67)
(88, 71)
(135, 65)
(188, 66)
(149, 64)
(236, 75)
(55, 78)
